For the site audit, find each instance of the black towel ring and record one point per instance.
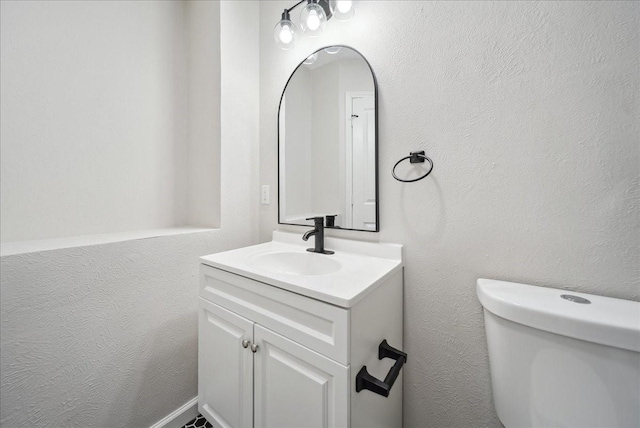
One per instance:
(414, 157)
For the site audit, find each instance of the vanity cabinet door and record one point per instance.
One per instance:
(297, 387)
(225, 367)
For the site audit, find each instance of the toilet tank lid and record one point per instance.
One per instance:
(608, 321)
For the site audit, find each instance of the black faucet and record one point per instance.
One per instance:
(318, 231)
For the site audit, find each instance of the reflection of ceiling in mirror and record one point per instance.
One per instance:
(325, 58)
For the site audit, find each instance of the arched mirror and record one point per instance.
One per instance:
(328, 142)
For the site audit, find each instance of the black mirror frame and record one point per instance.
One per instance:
(375, 101)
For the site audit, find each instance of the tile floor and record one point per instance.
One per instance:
(198, 422)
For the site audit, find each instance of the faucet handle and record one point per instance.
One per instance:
(317, 220)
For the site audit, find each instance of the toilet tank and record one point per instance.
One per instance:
(561, 359)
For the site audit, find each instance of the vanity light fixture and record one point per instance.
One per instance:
(286, 32)
(313, 18)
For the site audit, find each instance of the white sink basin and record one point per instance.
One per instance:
(296, 263)
(342, 279)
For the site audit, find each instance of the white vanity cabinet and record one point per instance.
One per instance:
(253, 372)
(270, 357)
(225, 367)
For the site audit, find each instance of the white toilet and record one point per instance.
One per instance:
(561, 359)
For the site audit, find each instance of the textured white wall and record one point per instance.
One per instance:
(106, 335)
(530, 113)
(203, 191)
(93, 110)
(240, 108)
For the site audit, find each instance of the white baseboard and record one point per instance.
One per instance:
(180, 416)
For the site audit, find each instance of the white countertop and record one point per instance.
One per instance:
(363, 267)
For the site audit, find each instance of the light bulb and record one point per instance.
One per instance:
(344, 6)
(285, 32)
(286, 35)
(313, 19)
(342, 9)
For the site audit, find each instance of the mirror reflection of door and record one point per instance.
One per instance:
(360, 162)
